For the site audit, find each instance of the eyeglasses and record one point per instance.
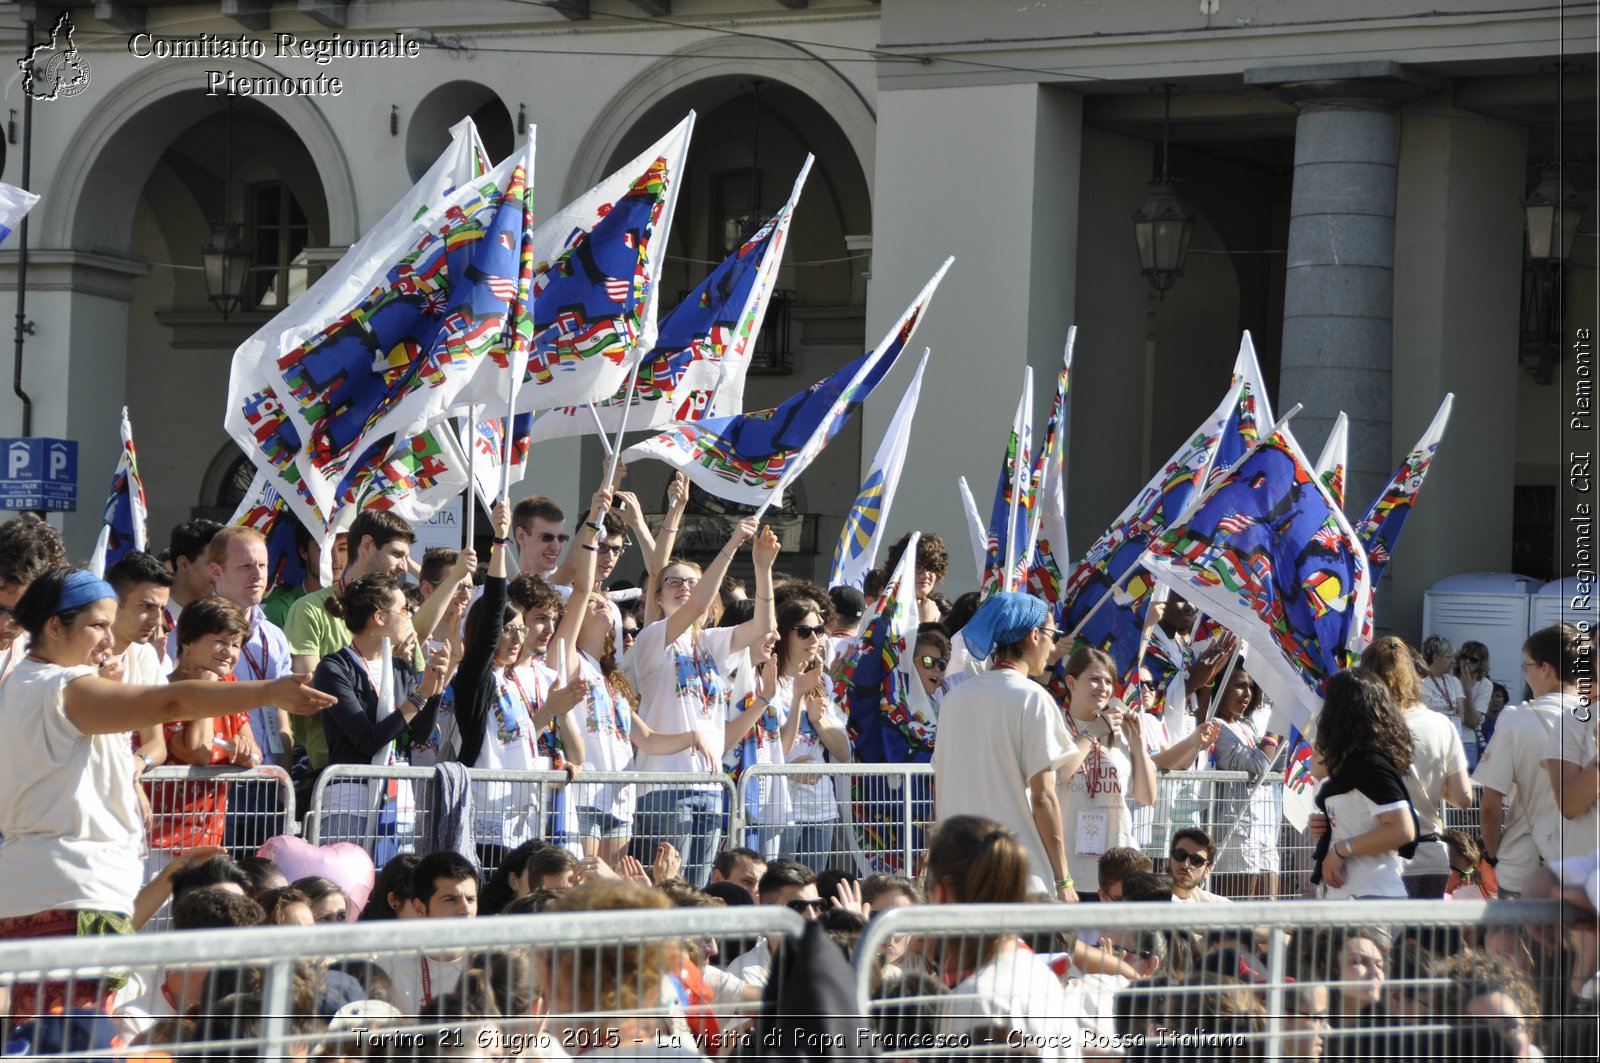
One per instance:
(519, 631)
(1529, 664)
(1143, 954)
(806, 631)
(804, 905)
(938, 664)
(1053, 634)
(681, 581)
(551, 537)
(614, 548)
(1184, 856)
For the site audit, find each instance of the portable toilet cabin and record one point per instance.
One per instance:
(1488, 607)
(1563, 599)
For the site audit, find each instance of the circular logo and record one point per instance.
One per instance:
(66, 74)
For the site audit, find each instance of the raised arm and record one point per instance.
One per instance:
(705, 592)
(438, 603)
(585, 558)
(765, 620)
(656, 560)
(633, 517)
(98, 706)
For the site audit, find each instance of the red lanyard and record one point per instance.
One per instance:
(1091, 765)
(427, 979)
(529, 704)
(257, 671)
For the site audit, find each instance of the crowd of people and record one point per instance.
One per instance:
(1044, 778)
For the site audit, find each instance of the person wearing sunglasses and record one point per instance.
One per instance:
(813, 733)
(786, 883)
(1003, 742)
(1472, 672)
(1189, 861)
(680, 666)
(540, 529)
(608, 713)
(931, 659)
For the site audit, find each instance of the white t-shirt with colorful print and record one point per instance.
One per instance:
(681, 687)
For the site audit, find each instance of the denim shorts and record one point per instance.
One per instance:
(596, 823)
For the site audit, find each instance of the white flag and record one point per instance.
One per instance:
(863, 532)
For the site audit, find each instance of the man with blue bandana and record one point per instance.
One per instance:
(1002, 739)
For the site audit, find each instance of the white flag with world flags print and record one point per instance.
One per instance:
(257, 417)
(703, 347)
(750, 457)
(864, 527)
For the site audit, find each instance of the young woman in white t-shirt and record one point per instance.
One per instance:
(72, 826)
(1095, 810)
(608, 716)
(679, 665)
(1362, 752)
(813, 733)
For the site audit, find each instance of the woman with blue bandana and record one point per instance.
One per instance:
(1002, 740)
(72, 855)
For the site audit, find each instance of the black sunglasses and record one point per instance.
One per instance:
(802, 905)
(1053, 634)
(1184, 856)
(929, 661)
(806, 631)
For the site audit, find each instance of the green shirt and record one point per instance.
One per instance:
(276, 605)
(313, 632)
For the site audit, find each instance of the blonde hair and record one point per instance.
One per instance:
(713, 613)
(1392, 661)
(616, 978)
(217, 549)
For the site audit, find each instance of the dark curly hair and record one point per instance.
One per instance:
(931, 554)
(1360, 717)
(29, 548)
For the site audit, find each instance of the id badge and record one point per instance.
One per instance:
(1092, 829)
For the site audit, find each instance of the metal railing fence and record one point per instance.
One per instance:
(577, 980)
(1418, 961)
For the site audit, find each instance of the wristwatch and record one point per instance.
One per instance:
(148, 763)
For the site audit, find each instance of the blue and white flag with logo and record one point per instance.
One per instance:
(863, 532)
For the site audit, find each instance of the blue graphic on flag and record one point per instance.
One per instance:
(1270, 557)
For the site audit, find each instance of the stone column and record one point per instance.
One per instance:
(1339, 287)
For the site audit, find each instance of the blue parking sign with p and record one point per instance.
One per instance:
(39, 473)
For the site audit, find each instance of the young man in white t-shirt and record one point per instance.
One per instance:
(1003, 741)
(1519, 839)
(444, 886)
(1553, 660)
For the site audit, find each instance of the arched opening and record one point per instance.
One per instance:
(428, 128)
(178, 344)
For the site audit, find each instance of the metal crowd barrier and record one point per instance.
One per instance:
(1383, 979)
(864, 818)
(236, 808)
(388, 810)
(578, 981)
(1260, 853)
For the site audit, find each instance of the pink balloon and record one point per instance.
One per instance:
(343, 863)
